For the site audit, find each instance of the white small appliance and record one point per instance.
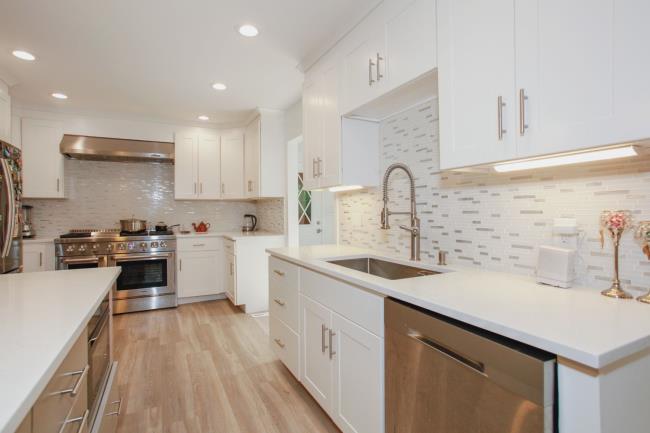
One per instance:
(556, 266)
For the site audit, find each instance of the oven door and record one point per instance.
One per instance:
(150, 274)
(99, 359)
(65, 263)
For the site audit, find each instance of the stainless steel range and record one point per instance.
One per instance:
(148, 261)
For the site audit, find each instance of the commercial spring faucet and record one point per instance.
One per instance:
(414, 229)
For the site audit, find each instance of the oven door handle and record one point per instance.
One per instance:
(140, 257)
(79, 261)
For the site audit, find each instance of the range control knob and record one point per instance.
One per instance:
(154, 245)
(95, 247)
(143, 245)
(121, 247)
(163, 244)
(82, 248)
(109, 247)
(131, 245)
(69, 248)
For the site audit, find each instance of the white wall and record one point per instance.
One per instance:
(293, 121)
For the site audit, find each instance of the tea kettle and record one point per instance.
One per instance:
(250, 222)
(201, 227)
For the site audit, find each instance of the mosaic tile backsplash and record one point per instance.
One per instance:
(99, 194)
(497, 221)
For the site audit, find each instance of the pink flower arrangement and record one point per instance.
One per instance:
(615, 222)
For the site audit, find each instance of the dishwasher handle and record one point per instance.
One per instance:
(477, 366)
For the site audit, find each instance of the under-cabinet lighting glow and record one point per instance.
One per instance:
(204, 118)
(576, 158)
(345, 188)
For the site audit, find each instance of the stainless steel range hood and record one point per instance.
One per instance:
(116, 149)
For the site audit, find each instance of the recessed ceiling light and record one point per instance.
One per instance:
(219, 86)
(59, 95)
(24, 55)
(248, 30)
(204, 117)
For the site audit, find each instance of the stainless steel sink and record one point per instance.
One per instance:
(383, 269)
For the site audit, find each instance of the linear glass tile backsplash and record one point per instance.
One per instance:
(101, 193)
(496, 221)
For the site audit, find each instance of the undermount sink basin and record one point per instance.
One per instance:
(382, 268)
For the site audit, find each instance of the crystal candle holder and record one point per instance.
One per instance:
(615, 223)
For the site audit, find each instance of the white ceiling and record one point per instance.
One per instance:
(159, 58)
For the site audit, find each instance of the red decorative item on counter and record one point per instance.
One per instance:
(201, 227)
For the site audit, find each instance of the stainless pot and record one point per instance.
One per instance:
(133, 225)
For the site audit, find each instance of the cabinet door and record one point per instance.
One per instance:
(42, 161)
(5, 115)
(185, 166)
(317, 367)
(476, 71)
(329, 165)
(358, 403)
(312, 133)
(232, 166)
(34, 257)
(198, 274)
(580, 66)
(230, 272)
(410, 39)
(209, 167)
(252, 159)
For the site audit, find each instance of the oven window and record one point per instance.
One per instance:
(82, 265)
(142, 274)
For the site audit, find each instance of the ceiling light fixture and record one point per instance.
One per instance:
(58, 95)
(345, 188)
(248, 30)
(575, 158)
(23, 55)
(219, 86)
(204, 117)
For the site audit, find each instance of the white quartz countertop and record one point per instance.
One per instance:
(41, 316)
(232, 235)
(578, 323)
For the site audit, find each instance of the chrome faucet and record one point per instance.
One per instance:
(414, 229)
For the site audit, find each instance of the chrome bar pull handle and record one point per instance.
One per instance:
(323, 345)
(119, 408)
(81, 420)
(279, 343)
(379, 75)
(500, 105)
(320, 166)
(180, 265)
(201, 187)
(371, 64)
(332, 352)
(223, 188)
(75, 389)
(314, 171)
(522, 112)
(280, 273)
(279, 302)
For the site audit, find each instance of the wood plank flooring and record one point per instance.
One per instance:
(207, 367)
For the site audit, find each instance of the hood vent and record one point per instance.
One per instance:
(116, 149)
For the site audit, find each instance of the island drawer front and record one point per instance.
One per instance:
(284, 280)
(356, 304)
(111, 406)
(285, 343)
(68, 386)
(77, 419)
(199, 244)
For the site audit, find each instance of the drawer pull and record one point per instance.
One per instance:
(279, 302)
(75, 389)
(280, 273)
(279, 342)
(119, 408)
(81, 420)
(198, 245)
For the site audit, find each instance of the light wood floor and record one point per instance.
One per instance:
(209, 368)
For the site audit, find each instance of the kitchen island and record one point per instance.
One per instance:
(602, 344)
(42, 315)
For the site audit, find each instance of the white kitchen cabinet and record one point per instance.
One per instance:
(38, 256)
(199, 261)
(5, 113)
(232, 165)
(43, 175)
(230, 277)
(197, 166)
(252, 142)
(568, 73)
(265, 155)
(475, 72)
(337, 151)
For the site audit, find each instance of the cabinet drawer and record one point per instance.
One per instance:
(77, 419)
(285, 345)
(284, 280)
(229, 246)
(200, 244)
(111, 406)
(65, 389)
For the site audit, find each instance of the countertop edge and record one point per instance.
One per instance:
(26, 405)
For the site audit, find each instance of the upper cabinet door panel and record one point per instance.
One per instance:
(252, 159)
(185, 166)
(42, 161)
(312, 133)
(329, 164)
(232, 166)
(410, 39)
(209, 167)
(580, 65)
(476, 71)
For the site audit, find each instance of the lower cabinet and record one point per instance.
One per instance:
(198, 263)
(38, 256)
(230, 273)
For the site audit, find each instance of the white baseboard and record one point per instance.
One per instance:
(194, 299)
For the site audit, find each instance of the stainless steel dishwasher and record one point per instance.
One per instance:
(443, 376)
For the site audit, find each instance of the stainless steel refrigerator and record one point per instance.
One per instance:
(11, 257)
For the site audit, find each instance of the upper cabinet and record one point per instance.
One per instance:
(42, 161)
(252, 140)
(264, 156)
(197, 165)
(539, 78)
(394, 45)
(232, 165)
(5, 113)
